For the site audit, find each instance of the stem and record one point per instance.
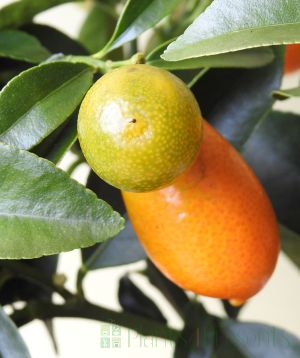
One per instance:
(85, 268)
(197, 77)
(74, 165)
(84, 309)
(31, 274)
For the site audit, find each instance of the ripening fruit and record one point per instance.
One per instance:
(213, 231)
(139, 127)
(292, 58)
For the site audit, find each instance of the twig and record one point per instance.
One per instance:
(84, 309)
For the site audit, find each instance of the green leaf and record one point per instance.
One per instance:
(234, 101)
(197, 338)
(260, 340)
(20, 46)
(106, 192)
(121, 250)
(21, 287)
(242, 59)
(59, 142)
(96, 29)
(229, 25)
(39, 100)
(137, 17)
(287, 93)
(44, 212)
(173, 293)
(273, 152)
(21, 12)
(12, 344)
(290, 244)
(54, 40)
(133, 300)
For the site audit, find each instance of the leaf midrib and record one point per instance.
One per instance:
(217, 37)
(45, 218)
(66, 83)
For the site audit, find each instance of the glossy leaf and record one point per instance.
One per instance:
(287, 93)
(39, 100)
(121, 250)
(96, 29)
(20, 46)
(234, 101)
(59, 142)
(260, 340)
(11, 342)
(21, 12)
(43, 211)
(133, 300)
(273, 152)
(232, 25)
(290, 244)
(54, 40)
(137, 17)
(242, 59)
(197, 338)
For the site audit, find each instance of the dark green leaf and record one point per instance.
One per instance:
(97, 29)
(43, 211)
(231, 25)
(133, 300)
(260, 340)
(287, 93)
(121, 250)
(54, 40)
(234, 101)
(20, 46)
(174, 294)
(273, 152)
(21, 287)
(198, 337)
(59, 142)
(106, 192)
(11, 343)
(10, 68)
(39, 100)
(290, 244)
(243, 59)
(21, 12)
(137, 17)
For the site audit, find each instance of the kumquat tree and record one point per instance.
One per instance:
(160, 143)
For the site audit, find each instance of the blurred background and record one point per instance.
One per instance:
(277, 304)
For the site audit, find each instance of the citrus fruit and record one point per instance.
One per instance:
(213, 231)
(139, 127)
(292, 58)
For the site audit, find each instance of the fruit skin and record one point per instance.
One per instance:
(292, 58)
(139, 127)
(213, 231)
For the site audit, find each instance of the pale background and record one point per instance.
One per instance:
(277, 304)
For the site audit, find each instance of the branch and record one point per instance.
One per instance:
(84, 309)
